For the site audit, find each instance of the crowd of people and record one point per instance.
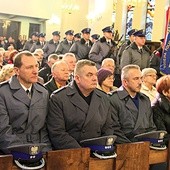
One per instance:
(61, 92)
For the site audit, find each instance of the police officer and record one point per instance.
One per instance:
(77, 37)
(40, 43)
(51, 46)
(137, 52)
(29, 44)
(95, 37)
(104, 48)
(81, 48)
(65, 45)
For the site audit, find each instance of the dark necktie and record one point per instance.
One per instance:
(28, 93)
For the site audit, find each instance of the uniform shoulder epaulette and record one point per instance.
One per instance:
(4, 83)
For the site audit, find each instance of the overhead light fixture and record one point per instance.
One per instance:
(70, 6)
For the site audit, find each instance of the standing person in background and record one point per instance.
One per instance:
(137, 52)
(51, 46)
(81, 48)
(95, 37)
(77, 37)
(23, 105)
(40, 43)
(104, 48)
(66, 44)
(156, 57)
(29, 43)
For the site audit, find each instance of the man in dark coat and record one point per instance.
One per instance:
(131, 110)
(137, 52)
(45, 72)
(103, 48)
(51, 46)
(81, 48)
(60, 76)
(23, 105)
(79, 111)
(28, 45)
(66, 44)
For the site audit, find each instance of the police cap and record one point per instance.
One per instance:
(139, 33)
(108, 29)
(101, 147)
(69, 32)
(77, 35)
(86, 30)
(95, 36)
(42, 35)
(155, 138)
(131, 32)
(56, 33)
(28, 156)
(34, 34)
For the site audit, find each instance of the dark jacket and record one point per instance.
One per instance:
(51, 86)
(22, 120)
(129, 121)
(71, 119)
(132, 55)
(80, 49)
(161, 114)
(101, 50)
(45, 73)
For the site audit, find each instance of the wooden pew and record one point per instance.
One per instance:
(130, 156)
(69, 159)
(6, 162)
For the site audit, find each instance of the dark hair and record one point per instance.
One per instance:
(18, 58)
(163, 84)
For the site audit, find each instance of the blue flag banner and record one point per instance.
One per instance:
(165, 59)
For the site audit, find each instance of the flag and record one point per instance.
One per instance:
(165, 59)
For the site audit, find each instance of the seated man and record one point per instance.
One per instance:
(79, 111)
(131, 110)
(23, 105)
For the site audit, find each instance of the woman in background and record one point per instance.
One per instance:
(161, 107)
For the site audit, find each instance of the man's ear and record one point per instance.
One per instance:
(16, 70)
(165, 93)
(77, 78)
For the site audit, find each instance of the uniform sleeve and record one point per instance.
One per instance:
(7, 137)
(60, 139)
(74, 50)
(125, 59)
(114, 111)
(59, 49)
(95, 53)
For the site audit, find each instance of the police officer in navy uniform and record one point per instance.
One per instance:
(137, 52)
(40, 43)
(81, 48)
(104, 48)
(29, 44)
(65, 45)
(51, 46)
(77, 37)
(95, 37)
